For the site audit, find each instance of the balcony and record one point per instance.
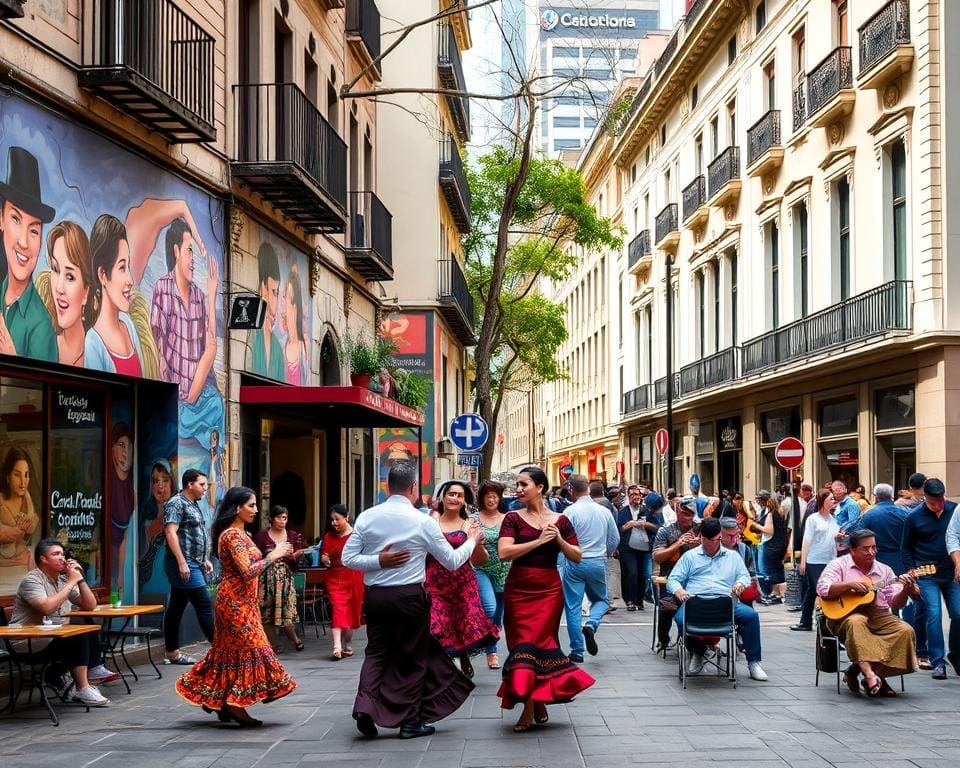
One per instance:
(639, 258)
(289, 155)
(370, 245)
(660, 389)
(871, 314)
(764, 151)
(693, 13)
(799, 106)
(453, 182)
(709, 371)
(723, 178)
(363, 33)
(695, 210)
(456, 303)
(11, 9)
(450, 69)
(636, 400)
(666, 228)
(885, 49)
(667, 54)
(830, 91)
(151, 60)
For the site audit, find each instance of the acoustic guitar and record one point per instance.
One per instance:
(838, 607)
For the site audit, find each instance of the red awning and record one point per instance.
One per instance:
(332, 406)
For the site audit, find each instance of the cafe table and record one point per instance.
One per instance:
(38, 666)
(113, 641)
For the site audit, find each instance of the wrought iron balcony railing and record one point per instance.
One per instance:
(666, 221)
(370, 245)
(876, 312)
(763, 135)
(709, 371)
(694, 195)
(453, 181)
(638, 248)
(456, 302)
(693, 13)
(724, 169)
(660, 389)
(151, 60)
(363, 25)
(450, 69)
(883, 32)
(828, 78)
(799, 106)
(636, 400)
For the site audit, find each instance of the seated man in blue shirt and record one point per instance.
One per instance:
(712, 570)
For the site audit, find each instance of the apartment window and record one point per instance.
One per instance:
(773, 260)
(560, 50)
(648, 358)
(698, 154)
(694, 96)
(566, 144)
(638, 339)
(569, 72)
(560, 121)
(732, 122)
(761, 16)
(731, 50)
(898, 179)
(663, 134)
(803, 255)
(843, 18)
(646, 157)
(799, 56)
(715, 274)
(589, 122)
(701, 315)
(733, 298)
(843, 238)
(667, 187)
(770, 85)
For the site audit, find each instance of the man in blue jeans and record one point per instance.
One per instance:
(597, 533)
(712, 570)
(925, 536)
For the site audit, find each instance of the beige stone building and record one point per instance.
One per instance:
(786, 160)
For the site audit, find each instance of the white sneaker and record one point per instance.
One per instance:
(91, 697)
(756, 671)
(695, 664)
(101, 674)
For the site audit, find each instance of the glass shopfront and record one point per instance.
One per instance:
(774, 426)
(838, 439)
(894, 427)
(729, 433)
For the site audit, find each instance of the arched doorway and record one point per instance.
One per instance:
(329, 361)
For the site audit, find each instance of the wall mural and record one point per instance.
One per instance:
(280, 349)
(413, 334)
(109, 263)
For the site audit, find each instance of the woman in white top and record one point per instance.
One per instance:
(820, 534)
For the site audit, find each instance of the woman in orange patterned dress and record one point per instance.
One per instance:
(240, 669)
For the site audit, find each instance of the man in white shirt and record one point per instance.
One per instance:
(598, 536)
(407, 679)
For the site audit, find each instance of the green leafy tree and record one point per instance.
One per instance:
(529, 211)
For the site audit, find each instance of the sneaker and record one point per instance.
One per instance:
(91, 697)
(576, 658)
(100, 674)
(795, 608)
(924, 662)
(182, 659)
(939, 673)
(631, 607)
(756, 671)
(589, 637)
(695, 664)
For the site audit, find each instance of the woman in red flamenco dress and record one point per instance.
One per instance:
(344, 585)
(240, 669)
(457, 618)
(537, 672)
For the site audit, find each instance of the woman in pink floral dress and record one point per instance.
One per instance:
(457, 618)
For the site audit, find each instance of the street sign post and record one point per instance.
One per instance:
(789, 454)
(662, 441)
(469, 432)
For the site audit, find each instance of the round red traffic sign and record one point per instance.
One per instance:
(789, 453)
(662, 441)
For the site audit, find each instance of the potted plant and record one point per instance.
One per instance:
(413, 390)
(367, 357)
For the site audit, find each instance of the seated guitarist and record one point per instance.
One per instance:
(672, 541)
(879, 643)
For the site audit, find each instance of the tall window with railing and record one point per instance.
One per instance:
(701, 315)
(803, 256)
(898, 187)
(734, 259)
(773, 261)
(843, 238)
(715, 274)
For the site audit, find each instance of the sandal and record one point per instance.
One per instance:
(493, 662)
(872, 689)
(337, 654)
(348, 651)
(522, 727)
(851, 678)
(886, 690)
(466, 666)
(540, 714)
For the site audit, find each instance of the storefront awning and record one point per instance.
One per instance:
(332, 406)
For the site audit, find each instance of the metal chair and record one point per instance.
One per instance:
(828, 651)
(6, 656)
(710, 616)
(311, 598)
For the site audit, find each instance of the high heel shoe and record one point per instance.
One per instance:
(222, 716)
(466, 666)
(242, 718)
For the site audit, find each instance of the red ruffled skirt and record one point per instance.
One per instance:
(536, 669)
(345, 590)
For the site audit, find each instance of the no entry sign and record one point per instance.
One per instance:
(662, 440)
(789, 453)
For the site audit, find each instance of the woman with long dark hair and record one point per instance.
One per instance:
(537, 672)
(457, 618)
(18, 518)
(278, 594)
(292, 320)
(344, 585)
(819, 548)
(240, 669)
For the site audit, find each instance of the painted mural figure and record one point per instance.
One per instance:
(123, 501)
(66, 289)
(267, 355)
(162, 489)
(18, 518)
(291, 320)
(25, 325)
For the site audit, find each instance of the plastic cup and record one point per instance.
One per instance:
(114, 599)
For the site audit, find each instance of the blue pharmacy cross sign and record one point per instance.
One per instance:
(469, 432)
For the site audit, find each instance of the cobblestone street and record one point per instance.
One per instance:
(636, 714)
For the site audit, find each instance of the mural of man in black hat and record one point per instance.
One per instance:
(26, 328)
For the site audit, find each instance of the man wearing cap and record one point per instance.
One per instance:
(598, 537)
(669, 544)
(925, 541)
(26, 327)
(712, 570)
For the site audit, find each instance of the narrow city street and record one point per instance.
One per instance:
(636, 714)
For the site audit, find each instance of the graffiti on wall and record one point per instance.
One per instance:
(109, 263)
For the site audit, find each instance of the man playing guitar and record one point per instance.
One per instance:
(878, 643)
(671, 542)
